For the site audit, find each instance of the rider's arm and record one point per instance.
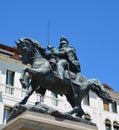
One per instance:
(59, 52)
(51, 48)
(55, 51)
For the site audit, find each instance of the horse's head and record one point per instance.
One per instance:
(24, 47)
(27, 47)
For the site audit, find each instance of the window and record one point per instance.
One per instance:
(114, 107)
(54, 100)
(115, 125)
(87, 117)
(10, 82)
(86, 100)
(6, 114)
(107, 124)
(106, 105)
(10, 78)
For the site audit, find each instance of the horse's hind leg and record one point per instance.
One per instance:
(80, 111)
(76, 105)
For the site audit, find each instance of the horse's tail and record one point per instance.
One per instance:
(98, 88)
(106, 96)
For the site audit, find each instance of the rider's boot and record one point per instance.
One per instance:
(61, 67)
(61, 72)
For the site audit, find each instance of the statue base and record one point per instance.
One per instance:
(29, 120)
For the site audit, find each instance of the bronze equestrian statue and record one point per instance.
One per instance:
(43, 75)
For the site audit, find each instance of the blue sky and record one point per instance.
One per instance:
(91, 26)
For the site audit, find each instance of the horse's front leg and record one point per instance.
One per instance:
(23, 72)
(37, 71)
(24, 79)
(33, 85)
(25, 75)
(29, 91)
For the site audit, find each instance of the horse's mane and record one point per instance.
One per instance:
(34, 43)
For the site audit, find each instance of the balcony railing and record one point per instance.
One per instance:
(9, 89)
(19, 93)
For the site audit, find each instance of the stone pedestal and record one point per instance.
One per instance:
(39, 121)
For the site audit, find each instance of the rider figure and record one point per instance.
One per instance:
(66, 58)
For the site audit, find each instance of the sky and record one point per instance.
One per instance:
(91, 27)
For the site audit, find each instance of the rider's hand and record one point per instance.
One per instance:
(49, 47)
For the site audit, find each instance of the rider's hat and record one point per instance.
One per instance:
(63, 40)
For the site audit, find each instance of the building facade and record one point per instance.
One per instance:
(105, 115)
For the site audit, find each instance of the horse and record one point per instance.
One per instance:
(40, 77)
